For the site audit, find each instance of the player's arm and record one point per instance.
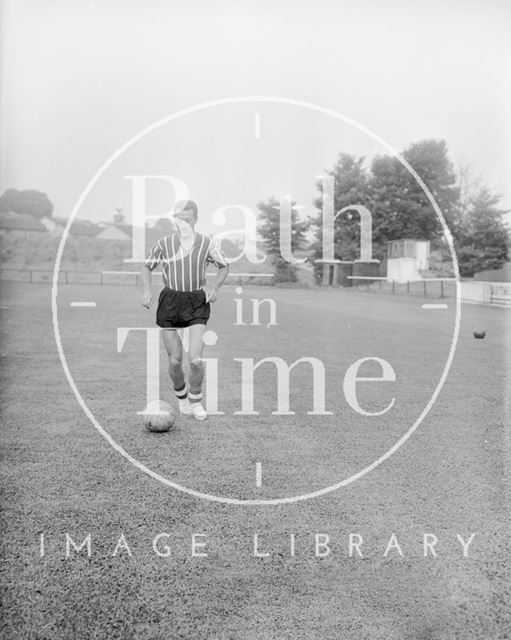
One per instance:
(146, 274)
(212, 292)
(147, 291)
(217, 258)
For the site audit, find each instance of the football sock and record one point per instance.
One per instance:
(181, 393)
(194, 397)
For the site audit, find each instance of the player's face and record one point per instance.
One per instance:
(187, 216)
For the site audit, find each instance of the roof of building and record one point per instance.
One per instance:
(20, 221)
(125, 228)
(80, 227)
(115, 231)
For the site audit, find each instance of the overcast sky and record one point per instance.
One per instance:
(81, 78)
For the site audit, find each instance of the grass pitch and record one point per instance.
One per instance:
(61, 476)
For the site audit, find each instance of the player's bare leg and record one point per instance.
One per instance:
(196, 375)
(174, 349)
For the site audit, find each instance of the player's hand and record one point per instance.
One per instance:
(211, 295)
(147, 299)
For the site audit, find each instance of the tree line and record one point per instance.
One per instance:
(400, 209)
(398, 204)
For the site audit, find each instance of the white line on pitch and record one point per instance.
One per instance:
(257, 123)
(435, 306)
(259, 473)
(83, 304)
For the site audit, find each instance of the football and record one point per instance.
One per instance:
(159, 416)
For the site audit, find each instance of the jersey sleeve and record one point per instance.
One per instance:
(216, 256)
(155, 256)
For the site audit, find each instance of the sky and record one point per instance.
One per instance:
(79, 79)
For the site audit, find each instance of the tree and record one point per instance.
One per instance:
(8, 200)
(400, 207)
(269, 230)
(398, 204)
(119, 217)
(31, 202)
(351, 187)
(481, 238)
(469, 183)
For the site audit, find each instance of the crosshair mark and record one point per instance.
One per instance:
(257, 126)
(435, 306)
(259, 474)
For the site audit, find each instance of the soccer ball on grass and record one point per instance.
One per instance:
(159, 416)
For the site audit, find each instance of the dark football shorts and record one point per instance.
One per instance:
(178, 309)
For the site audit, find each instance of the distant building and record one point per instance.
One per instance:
(117, 232)
(20, 225)
(406, 259)
(56, 226)
(82, 228)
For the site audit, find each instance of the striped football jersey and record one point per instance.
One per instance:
(185, 271)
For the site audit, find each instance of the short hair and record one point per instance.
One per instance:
(186, 205)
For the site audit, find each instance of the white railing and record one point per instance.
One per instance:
(110, 277)
(480, 292)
